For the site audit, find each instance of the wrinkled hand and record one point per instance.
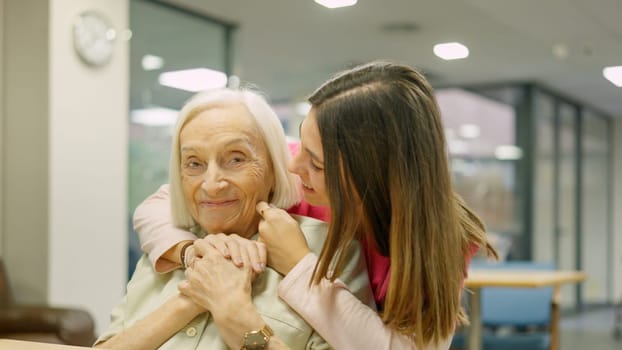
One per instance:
(216, 284)
(234, 247)
(283, 239)
(187, 305)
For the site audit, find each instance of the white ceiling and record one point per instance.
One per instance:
(289, 47)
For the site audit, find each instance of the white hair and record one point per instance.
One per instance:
(286, 192)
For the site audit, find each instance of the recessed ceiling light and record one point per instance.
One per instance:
(469, 131)
(458, 146)
(333, 4)
(194, 80)
(303, 108)
(451, 51)
(614, 75)
(560, 51)
(508, 152)
(126, 34)
(155, 116)
(152, 62)
(234, 82)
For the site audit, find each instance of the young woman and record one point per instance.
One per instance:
(373, 150)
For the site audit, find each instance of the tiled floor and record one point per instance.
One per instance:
(592, 330)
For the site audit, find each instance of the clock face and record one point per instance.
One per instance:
(94, 38)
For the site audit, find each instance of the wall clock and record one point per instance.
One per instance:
(94, 38)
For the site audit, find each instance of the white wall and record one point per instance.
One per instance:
(25, 138)
(1, 121)
(88, 169)
(617, 210)
(65, 168)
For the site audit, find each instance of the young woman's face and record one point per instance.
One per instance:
(308, 164)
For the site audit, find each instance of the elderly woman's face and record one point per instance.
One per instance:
(225, 170)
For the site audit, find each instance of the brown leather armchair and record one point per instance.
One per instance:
(42, 323)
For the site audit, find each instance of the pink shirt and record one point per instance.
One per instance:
(305, 209)
(378, 270)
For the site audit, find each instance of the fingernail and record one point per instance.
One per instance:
(237, 260)
(260, 266)
(226, 252)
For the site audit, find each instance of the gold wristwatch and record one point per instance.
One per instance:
(257, 340)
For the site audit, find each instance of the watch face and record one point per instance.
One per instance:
(93, 38)
(255, 341)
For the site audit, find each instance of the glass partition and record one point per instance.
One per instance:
(165, 39)
(595, 237)
(566, 211)
(480, 136)
(559, 188)
(544, 201)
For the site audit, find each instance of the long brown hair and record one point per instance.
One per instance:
(384, 147)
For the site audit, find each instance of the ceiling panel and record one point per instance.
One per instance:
(289, 47)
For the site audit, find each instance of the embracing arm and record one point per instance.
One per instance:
(158, 237)
(156, 328)
(337, 314)
(333, 309)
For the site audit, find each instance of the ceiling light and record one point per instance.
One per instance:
(156, 116)
(614, 75)
(508, 152)
(127, 34)
(458, 146)
(234, 82)
(451, 51)
(152, 62)
(560, 51)
(303, 108)
(469, 131)
(333, 4)
(194, 80)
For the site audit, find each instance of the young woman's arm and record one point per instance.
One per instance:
(159, 239)
(330, 307)
(337, 315)
(163, 242)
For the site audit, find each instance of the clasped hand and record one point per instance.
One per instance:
(216, 284)
(219, 276)
(223, 267)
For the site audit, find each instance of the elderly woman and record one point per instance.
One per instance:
(228, 154)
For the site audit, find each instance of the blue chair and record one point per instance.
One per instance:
(514, 318)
